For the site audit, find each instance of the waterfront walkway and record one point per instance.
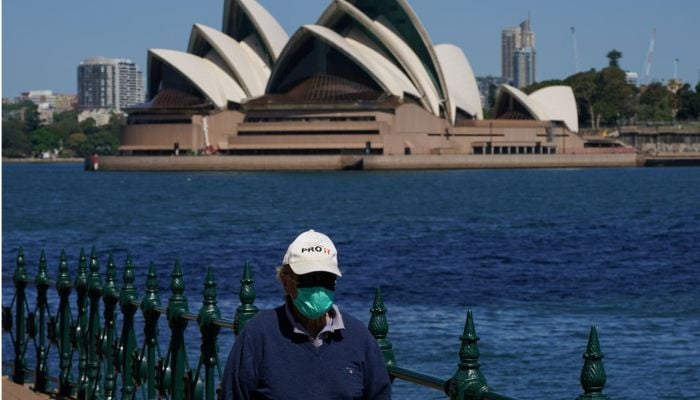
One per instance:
(13, 391)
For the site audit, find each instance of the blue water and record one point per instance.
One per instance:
(538, 255)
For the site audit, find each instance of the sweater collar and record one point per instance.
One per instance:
(335, 324)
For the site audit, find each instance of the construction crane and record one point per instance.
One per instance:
(650, 56)
(573, 37)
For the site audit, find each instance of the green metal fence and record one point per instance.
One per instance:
(112, 364)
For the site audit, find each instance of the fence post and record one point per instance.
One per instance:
(177, 306)
(468, 382)
(150, 329)
(20, 280)
(110, 297)
(246, 310)
(81, 288)
(210, 358)
(94, 327)
(65, 326)
(593, 373)
(42, 288)
(127, 341)
(379, 327)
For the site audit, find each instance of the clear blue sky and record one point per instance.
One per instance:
(43, 41)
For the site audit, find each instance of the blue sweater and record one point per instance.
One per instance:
(270, 361)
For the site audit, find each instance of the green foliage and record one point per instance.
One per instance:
(89, 126)
(75, 140)
(44, 139)
(65, 135)
(116, 124)
(102, 143)
(15, 142)
(688, 103)
(605, 98)
(656, 103)
(539, 85)
(31, 117)
(584, 86)
(615, 98)
(69, 116)
(66, 123)
(613, 58)
(25, 110)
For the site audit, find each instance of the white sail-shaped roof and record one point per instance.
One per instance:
(399, 17)
(461, 83)
(389, 70)
(372, 63)
(559, 104)
(533, 107)
(407, 59)
(243, 69)
(249, 22)
(553, 103)
(215, 84)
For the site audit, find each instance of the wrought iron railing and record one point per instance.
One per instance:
(111, 365)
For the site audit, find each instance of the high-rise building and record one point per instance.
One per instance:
(524, 68)
(527, 35)
(107, 83)
(510, 41)
(518, 53)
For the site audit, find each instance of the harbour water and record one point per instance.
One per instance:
(538, 255)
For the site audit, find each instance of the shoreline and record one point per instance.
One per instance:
(73, 160)
(369, 163)
(362, 162)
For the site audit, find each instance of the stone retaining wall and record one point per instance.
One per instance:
(330, 163)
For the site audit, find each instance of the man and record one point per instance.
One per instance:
(306, 349)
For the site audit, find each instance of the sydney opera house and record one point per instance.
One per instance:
(366, 79)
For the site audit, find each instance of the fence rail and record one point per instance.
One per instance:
(100, 343)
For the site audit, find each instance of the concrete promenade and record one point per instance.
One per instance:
(369, 163)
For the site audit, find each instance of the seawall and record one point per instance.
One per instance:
(380, 162)
(42, 160)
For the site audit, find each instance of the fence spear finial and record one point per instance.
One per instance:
(593, 373)
(379, 327)
(468, 382)
(246, 310)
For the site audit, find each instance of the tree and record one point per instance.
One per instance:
(117, 122)
(15, 142)
(31, 117)
(89, 126)
(73, 144)
(75, 140)
(615, 99)
(584, 86)
(689, 103)
(102, 143)
(71, 115)
(613, 57)
(540, 85)
(65, 124)
(43, 139)
(656, 103)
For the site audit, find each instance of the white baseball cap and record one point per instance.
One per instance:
(312, 252)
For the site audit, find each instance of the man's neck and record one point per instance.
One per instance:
(313, 326)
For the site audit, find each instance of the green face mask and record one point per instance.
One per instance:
(313, 302)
